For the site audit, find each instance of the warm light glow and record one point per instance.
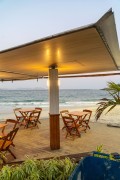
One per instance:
(58, 82)
(48, 82)
(47, 52)
(58, 54)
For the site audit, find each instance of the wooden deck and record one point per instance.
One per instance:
(35, 142)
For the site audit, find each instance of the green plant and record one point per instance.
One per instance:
(31, 169)
(114, 91)
(99, 153)
(2, 158)
(99, 148)
(6, 173)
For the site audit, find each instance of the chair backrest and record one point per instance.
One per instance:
(70, 124)
(34, 115)
(11, 124)
(37, 108)
(40, 110)
(18, 115)
(11, 134)
(63, 113)
(9, 138)
(88, 116)
(68, 121)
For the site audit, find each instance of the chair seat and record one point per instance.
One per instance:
(75, 125)
(7, 144)
(33, 119)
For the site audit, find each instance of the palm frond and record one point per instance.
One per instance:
(114, 91)
(110, 108)
(113, 88)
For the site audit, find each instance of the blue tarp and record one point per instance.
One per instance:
(95, 168)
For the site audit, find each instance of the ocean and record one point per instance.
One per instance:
(68, 98)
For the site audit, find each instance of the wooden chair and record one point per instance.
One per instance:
(33, 119)
(18, 115)
(63, 113)
(8, 141)
(11, 125)
(71, 126)
(39, 109)
(86, 120)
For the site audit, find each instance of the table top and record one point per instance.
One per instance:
(77, 113)
(2, 125)
(26, 109)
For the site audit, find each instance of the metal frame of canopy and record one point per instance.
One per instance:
(90, 49)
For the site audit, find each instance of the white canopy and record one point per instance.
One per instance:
(93, 48)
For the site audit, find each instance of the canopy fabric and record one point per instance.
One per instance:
(89, 49)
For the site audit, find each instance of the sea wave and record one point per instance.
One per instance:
(32, 103)
(46, 104)
(82, 103)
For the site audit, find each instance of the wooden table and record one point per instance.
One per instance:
(25, 112)
(80, 117)
(79, 114)
(29, 114)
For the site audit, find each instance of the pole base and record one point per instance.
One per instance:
(54, 131)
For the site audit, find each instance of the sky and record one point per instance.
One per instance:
(28, 20)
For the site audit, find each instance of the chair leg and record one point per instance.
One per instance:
(88, 126)
(78, 133)
(36, 124)
(13, 145)
(39, 121)
(12, 153)
(66, 134)
(63, 127)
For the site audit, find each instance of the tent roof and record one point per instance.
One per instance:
(89, 49)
